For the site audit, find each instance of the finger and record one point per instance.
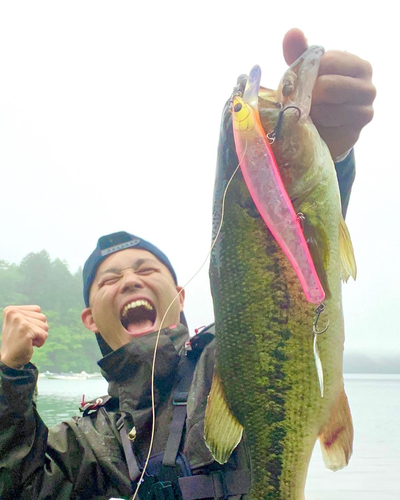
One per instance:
(39, 340)
(38, 337)
(25, 308)
(337, 89)
(294, 44)
(38, 322)
(335, 62)
(14, 311)
(16, 316)
(337, 115)
(35, 315)
(340, 139)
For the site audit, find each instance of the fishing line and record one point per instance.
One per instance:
(153, 408)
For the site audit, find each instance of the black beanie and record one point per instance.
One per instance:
(112, 243)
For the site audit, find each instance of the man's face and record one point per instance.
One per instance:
(130, 295)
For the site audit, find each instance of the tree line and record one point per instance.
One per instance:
(70, 347)
(51, 285)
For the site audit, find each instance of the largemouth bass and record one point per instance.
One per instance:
(266, 388)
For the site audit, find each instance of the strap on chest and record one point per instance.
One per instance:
(131, 460)
(179, 413)
(180, 396)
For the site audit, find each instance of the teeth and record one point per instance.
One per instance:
(137, 303)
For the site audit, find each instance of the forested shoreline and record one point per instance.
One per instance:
(50, 284)
(72, 348)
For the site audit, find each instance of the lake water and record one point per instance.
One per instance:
(373, 472)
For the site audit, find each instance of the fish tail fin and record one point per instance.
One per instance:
(347, 259)
(336, 437)
(222, 431)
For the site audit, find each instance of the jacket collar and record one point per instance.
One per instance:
(128, 369)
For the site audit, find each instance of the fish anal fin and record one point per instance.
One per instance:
(222, 431)
(336, 437)
(347, 259)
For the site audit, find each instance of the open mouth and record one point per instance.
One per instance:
(138, 316)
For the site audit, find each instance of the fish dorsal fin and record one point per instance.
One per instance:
(222, 431)
(347, 259)
(336, 437)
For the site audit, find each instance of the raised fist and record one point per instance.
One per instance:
(24, 327)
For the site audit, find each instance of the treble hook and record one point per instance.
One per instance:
(273, 135)
(318, 312)
(317, 357)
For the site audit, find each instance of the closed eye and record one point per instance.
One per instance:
(147, 270)
(109, 280)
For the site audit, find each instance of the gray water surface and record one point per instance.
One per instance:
(374, 469)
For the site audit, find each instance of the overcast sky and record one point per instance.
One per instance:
(109, 120)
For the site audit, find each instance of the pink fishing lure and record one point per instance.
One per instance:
(266, 188)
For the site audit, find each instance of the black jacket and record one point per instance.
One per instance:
(83, 458)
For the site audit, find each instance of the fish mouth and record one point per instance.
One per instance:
(138, 316)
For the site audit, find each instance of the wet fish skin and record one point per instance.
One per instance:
(265, 364)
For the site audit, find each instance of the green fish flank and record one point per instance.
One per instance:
(266, 354)
(264, 325)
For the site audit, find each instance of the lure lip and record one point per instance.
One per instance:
(301, 94)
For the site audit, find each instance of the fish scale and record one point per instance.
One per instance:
(265, 382)
(267, 363)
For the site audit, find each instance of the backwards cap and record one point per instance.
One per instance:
(112, 243)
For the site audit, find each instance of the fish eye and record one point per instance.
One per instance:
(237, 107)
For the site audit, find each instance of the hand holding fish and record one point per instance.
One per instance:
(24, 327)
(342, 97)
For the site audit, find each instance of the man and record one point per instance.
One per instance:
(131, 291)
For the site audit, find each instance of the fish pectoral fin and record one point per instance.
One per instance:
(347, 259)
(318, 244)
(336, 437)
(222, 431)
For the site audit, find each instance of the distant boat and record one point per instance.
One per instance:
(72, 376)
(94, 375)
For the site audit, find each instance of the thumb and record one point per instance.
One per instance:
(294, 44)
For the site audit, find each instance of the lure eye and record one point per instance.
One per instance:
(237, 107)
